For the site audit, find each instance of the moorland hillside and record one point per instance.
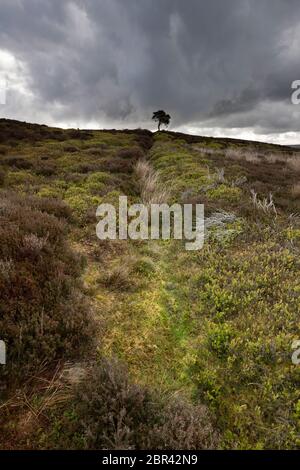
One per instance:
(142, 344)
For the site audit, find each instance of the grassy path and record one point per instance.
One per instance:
(148, 328)
(139, 299)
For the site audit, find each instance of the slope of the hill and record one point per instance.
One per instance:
(211, 328)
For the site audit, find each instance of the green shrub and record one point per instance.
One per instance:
(18, 178)
(50, 192)
(97, 182)
(225, 192)
(80, 200)
(219, 337)
(145, 267)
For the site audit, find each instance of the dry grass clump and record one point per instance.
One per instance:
(239, 154)
(207, 150)
(294, 163)
(267, 205)
(119, 278)
(44, 316)
(220, 175)
(276, 158)
(31, 406)
(151, 189)
(54, 389)
(253, 156)
(116, 414)
(238, 182)
(128, 273)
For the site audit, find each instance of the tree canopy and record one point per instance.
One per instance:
(162, 118)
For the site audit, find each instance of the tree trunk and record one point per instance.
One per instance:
(159, 124)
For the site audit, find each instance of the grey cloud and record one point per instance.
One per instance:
(228, 63)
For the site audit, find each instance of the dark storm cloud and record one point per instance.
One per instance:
(228, 63)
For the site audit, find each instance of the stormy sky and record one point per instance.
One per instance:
(219, 67)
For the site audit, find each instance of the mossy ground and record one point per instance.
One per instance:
(215, 325)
